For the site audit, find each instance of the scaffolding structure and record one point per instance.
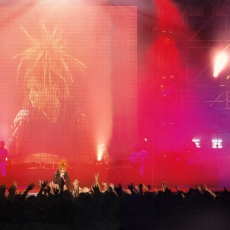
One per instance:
(208, 31)
(199, 96)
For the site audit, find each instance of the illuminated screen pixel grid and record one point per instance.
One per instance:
(68, 82)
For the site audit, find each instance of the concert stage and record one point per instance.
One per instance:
(213, 173)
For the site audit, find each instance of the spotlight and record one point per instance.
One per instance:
(217, 143)
(102, 153)
(219, 63)
(98, 162)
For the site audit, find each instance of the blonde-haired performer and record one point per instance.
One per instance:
(52, 109)
(47, 73)
(61, 176)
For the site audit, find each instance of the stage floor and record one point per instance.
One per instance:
(184, 176)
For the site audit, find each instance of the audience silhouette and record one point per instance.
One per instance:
(106, 206)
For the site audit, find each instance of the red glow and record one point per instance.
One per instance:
(169, 16)
(102, 106)
(105, 40)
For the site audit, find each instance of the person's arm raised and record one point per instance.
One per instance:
(30, 187)
(12, 190)
(97, 181)
(205, 188)
(43, 185)
(76, 188)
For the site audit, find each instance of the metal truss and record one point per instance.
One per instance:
(208, 30)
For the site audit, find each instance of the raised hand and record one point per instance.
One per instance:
(205, 188)
(112, 186)
(44, 184)
(12, 190)
(164, 186)
(119, 190)
(96, 178)
(40, 182)
(47, 189)
(131, 188)
(75, 183)
(146, 188)
(96, 189)
(76, 187)
(136, 188)
(97, 181)
(140, 189)
(199, 188)
(105, 185)
(30, 186)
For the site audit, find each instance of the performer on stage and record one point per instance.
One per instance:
(3, 158)
(138, 158)
(61, 176)
(189, 154)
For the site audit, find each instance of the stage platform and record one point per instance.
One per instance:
(184, 176)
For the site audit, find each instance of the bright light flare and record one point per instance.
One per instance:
(100, 151)
(219, 63)
(217, 143)
(197, 142)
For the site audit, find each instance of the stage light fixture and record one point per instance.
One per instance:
(102, 153)
(100, 150)
(197, 142)
(219, 63)
(217, 143)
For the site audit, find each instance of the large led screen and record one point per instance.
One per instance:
(68, 82)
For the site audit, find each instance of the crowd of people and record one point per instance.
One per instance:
(63, 205)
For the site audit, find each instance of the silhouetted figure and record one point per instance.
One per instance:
(3, 158)
(137, 159)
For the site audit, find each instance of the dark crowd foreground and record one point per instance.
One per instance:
(113, 207)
